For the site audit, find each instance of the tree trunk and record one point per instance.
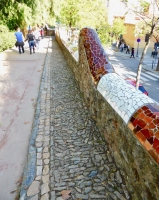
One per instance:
(140, 63)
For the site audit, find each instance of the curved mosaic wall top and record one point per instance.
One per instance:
(145, 125)
(138, 111)
(97, 58)
(123, 97)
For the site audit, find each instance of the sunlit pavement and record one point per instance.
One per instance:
(20, 77)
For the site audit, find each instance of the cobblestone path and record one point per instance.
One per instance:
(71, 154)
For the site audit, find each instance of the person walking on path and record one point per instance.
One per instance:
(20, 40)
(31, 41)
(121, 47)
(128, 49)
(37, 36)
(132, 53)
(46, 28)
(42, 32)
(29, 28)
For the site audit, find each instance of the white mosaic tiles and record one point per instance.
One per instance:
(123, 97)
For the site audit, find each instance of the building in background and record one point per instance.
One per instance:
(116, 9)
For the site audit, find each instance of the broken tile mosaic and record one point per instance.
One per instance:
(124, 98)
(145, 124)
(97, 58)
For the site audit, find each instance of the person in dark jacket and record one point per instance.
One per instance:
(31, 41)
(132, 53)
(46, 28)
(128, 49)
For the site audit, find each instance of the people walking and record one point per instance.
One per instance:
(29, 28)
(31, 41)
(132, 53)
(42, 32)
(37, 36)
(121, 47)
(128, 49)
(46, 27)
(154, 54)
(119, 43)
(20, 40)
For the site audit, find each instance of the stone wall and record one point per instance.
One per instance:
(138, 162)
(49, 32)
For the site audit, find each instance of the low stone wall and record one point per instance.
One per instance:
(132, 133)
(49, 32)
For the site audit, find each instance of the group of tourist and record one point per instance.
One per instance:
(122, 45)
(131, 52)
(34, 35)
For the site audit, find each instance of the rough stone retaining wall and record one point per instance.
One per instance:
(127, 118)
(50, 32)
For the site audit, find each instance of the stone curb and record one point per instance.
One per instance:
(30, 167)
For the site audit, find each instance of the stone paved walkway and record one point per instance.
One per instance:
(70, 152)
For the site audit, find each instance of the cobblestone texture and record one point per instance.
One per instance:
(70, 152)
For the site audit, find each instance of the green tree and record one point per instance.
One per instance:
(24, 12)
(7, 38)
(118, 28)
(69, 13)
(95, 18)
(90, 15)
(81, 14)
(14, 13)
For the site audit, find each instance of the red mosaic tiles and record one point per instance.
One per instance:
(145, 125)
(98, 60)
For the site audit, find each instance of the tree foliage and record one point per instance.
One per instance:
(81, 13)
(72, 13)
(22, 13)
(91, 16)
(118, 27)
(69, 13)
(7, 38)
(14, 14)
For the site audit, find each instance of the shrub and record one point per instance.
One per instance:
(7, 39)
(3, 29)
